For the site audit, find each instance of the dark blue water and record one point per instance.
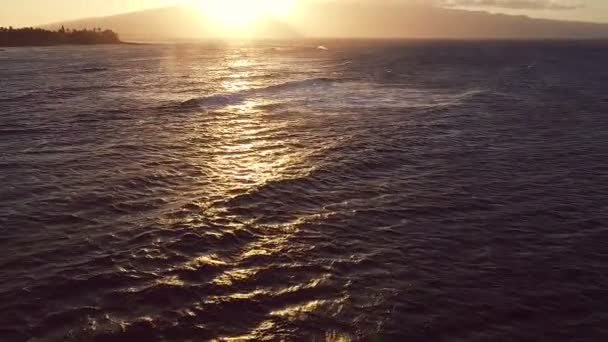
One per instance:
(375, 191)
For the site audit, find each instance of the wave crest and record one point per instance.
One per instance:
(229, 99)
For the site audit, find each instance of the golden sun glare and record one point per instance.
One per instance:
(235, 15)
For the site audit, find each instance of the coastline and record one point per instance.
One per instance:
(28, 36)
(64, 44)
(4, 47)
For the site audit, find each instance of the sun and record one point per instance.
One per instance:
(232, 16)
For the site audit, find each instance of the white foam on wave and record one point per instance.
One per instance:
(230, 99)
(327, 94)
(214, 101)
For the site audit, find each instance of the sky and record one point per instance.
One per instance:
(37, 12)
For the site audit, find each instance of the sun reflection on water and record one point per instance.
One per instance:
(249, 152)
(171, 281)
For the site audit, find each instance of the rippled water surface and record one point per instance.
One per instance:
(381, 191)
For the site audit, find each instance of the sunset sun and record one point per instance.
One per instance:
(236, 15)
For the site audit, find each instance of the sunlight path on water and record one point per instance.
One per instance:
(250, 149)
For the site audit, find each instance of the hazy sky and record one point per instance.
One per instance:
(35, 12)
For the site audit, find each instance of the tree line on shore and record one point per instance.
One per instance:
(30, 36)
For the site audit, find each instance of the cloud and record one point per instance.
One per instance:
(516, 4)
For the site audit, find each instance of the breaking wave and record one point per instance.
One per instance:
(223, 100)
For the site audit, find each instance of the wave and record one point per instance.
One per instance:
(95, 69)
(313, 82)
(329, 94)
(86, 70)
(484, 96)
(21, 131)
(20, 97)
(214, 101)
(235, 98)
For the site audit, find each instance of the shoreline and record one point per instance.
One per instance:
(65, 44)
(3, 47)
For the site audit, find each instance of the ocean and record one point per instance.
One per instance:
(358, 191)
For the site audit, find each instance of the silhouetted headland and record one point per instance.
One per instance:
(39, 37)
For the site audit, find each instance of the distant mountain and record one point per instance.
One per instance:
(171, 23)
(150, 25)
(346, 19)
(369, 19)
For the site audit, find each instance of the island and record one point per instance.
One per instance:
(29, 36)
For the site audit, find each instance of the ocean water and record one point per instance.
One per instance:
(373, 191)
